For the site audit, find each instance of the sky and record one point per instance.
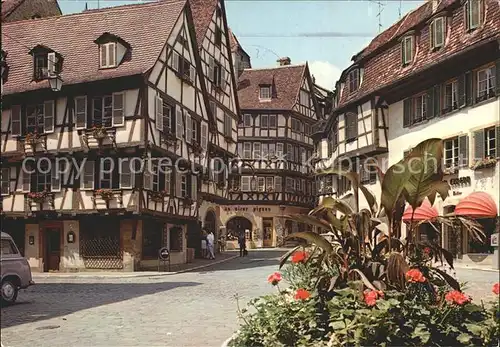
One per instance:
(325, 33)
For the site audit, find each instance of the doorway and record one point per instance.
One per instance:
(267, 224)
(52, 249)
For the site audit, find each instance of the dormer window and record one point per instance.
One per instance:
(112, 50)
(353, 80)
(437, 32)
(265, 92)
(473, 13)
(108, 54)
(407, 50)
(46, 63)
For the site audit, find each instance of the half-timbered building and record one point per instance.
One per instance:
(278, 107)
(104, 171)
(214, 45)
(433, 74)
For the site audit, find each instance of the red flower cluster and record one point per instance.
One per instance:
(496, 288)
(427, 250)
(371, 296)
(302, 294)
(457, 297)
(274, 278)
(299, 257)
(415, 276)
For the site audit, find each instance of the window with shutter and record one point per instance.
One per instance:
(486, 83)
(211, 67)
(15, 119)
(473, 14)
(351, 126)
(51, 64)
(26, 172)
(223, 79)
(228, 126)
(497, 141)
(147, 174)
(245, 183)
(462, 98)
(192, 74)
(430, 104)
(81, 112)
(256, 150)
(463, 149)
(497, 77)
(490, 142)
(5, 181)
(451, 153)
(118, 109)
(450, 96)
(108, 54)
(179, 131)
(469, 93)
(278, 184)
(204, 136)
(479, 150)
(48, 116)
(183, 185)
(87, 175)
(175, 61)
(194, 187)
(189, 131)
(126, 177)
(168, 183)
(159, 113)
(407, 50)
(57, 172)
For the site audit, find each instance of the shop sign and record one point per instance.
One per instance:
(494, 240)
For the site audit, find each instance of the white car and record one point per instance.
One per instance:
(16, 271)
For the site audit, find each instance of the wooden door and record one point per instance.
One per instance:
(267, 224)
(52, 248)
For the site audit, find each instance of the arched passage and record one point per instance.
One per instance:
(210, 221)
(238, 224)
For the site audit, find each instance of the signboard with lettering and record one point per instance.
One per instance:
(494, 240)
(163, 253)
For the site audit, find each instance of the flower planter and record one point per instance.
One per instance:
(483, 164)
(105, 194)
(99, 135)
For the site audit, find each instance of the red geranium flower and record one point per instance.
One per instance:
(302, 294)
(274, 278)
(457, 297)
(371, 296)
(299, 257)
(427, 250)
(496, 288)
(415, 276)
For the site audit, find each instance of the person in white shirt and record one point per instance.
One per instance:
(210, 244)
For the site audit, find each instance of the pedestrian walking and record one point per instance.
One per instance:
(210, 244)
(242, 243)
(204, 248)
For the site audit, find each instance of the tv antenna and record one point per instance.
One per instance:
(379, 13)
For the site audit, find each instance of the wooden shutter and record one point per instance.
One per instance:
(15, 118)
(497, 140)
(479, 144)
(48, 116)
(497, 79)
(437, 100)
(194, 187)
(118, 109)
(467, 9)
(223, 78)
(147, 177)
(211, 68)
(430, 104)
(179, 129)
(178, 183)
(204, 136)
(51, 64)
(469, 90)
(125, 174)
(175, 61)
(57, 175)
(407, 114)
(81, 112)
(463, 150)
(431, 34)
(159, 112)
(189, 127)
(26, 177)
(111, 54)
(87, 176)
(192, 74)
(461, 91)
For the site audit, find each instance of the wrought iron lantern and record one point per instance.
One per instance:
(56, 83)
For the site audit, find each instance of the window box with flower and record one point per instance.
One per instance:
(187, 201)
(99, 132)
(33, 138)
(159, 196)
(196, 148)
(38, 197)
(483, 163)
(451, 170)
(221, 185)
(169, 139)
(105, 194)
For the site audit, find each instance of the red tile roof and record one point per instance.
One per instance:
(146, 27)
(203, 12)
(286, 80)
(381, 60)
(14, 10)
(8, 6)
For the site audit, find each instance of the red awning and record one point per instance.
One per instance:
(477, 205)
(424, 212)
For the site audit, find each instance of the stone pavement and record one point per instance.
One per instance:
(196, 308)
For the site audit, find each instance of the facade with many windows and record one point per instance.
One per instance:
(434, 74)
(278, 108)
(101, 173)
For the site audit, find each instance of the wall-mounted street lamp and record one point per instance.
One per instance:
(56, 83)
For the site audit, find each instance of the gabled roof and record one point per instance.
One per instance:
(235, 44)
(286, 82)
(203, 11)
(146, 27)
(44, 8)
(382, 60)
(9, 5)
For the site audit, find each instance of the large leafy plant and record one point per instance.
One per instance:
(364, 244)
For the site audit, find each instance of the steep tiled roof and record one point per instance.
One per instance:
(145, 27)
(203, 11)
(382, 58)
(14, 10)
(286, 81)
(9, 5)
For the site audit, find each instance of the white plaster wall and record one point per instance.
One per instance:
(32, 252)
(70, 258)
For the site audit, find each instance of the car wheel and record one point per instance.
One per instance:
(9, 292)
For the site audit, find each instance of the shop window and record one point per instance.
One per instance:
(478, 247)
(175, 241)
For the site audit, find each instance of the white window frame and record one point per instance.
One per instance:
(175, 58)
(118, 113)
(228, 125)
(108, 177)
(247, 120)
(489, 81)
(87, 166)
(272, 116)
(422, 107)
(81, 116)
(279, 149)
(266, 118)
(454, 95)
(304, 98)
(245, 183)
(179, 128)
(407, 45)
(188, 132)
(104, 55)
(449, 154)
(257, 151)
(265, 93)
(473, 23)
(435, 33)
(247, 150)
(159, 113)
(183, 186)
(204, 136)
(353, 80)
(487, 141)
(51, 64)
(57, 175)
(5, 181)
(261, 184)
(126, 171)
(43, 179)
(15, 118)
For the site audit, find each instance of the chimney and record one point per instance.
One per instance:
(284, 61)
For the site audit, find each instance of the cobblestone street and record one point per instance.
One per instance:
(189, 309)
